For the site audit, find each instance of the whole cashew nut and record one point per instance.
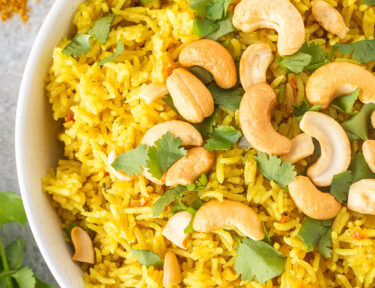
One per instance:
(214, 215)
(190, 96)
(362, 196)
(280, 15)
(255, 119)
(329, 18)
(187, 169)
(213, 57)
(334, 145)
(83, 247)
(311, 201)
(119, 174)
(152, 91)
(302, 146)
(171, 270)
(174, 230)
(254, 63)
(368, 148)
(337, 79)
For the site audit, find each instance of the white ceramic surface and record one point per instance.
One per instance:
(37, 149)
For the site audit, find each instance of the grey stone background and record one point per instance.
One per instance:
(16, 40)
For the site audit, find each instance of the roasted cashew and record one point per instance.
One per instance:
(213, 57)
(329, 18)
(255, 119)
(254, 63)
(281, 15)
(334, 145)
(362, 196)
(337, 79)
(192, 99)
(152, 91)
(119, 174)
(368, 148)
(311, 201)
(174, 230)
(302, 146)
(84, 249)
(171, 270)
(187, 169)
(215, 215)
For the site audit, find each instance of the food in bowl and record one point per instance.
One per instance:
(203, 150)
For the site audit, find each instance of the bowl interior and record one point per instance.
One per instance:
(37, 149)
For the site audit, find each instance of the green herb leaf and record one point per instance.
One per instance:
(274, 169)
(325, 244)
(147, 258)
(258, 261)
(360, 169)
(345, 103)
(167, 99)
(225, 27)
(358, 124)
(100, 30)
(340, 185)
(295, 63)
(171, 195)
(25, 278)
(210, 9)
(201, 73)
(300, 110)
(14, 253)
(41, 284)
(369, 2)
(228, 98)
(319, 57)
(131, 161)
(11, 209)
(267, 238)
(119, 50)
(363, 51)
(223, 138)
(207, 126)
(199, 185)
(78, 46)
(203, 27)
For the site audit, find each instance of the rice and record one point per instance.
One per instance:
(103, 111)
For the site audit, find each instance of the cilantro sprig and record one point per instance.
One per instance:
(300, 110)
(345, 103)
(228, 98)
(119, 50)
(222, 138)
(357, 126)
(147, 258)
(362, 51)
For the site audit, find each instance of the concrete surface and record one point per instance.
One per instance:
(16, 40)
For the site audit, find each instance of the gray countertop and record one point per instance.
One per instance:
(16, 40)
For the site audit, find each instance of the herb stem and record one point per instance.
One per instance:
(4, 261)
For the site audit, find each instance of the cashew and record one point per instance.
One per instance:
(174, 230)
(302, 146)
(187, 169)
(368, 148)
(192, 99)
(362, 196)
(215, 215)
(329, 18)
(255, 119)
(171, 271)
(337, 79)
(152, 91)
(334, 145)
(119, 174)
(280, 15)
(311, 201)
(213, 57)
(84, 250)
(254, 63)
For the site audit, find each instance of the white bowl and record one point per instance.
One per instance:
(37, 149)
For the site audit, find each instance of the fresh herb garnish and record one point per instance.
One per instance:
(363, 51)
(147, 258)
(300, 110)
(222, 138)
(369, 2)
(167, 99)
(168, 197)
(207, 126)
(78, 46)
(340, 185)
(267, 238)
(100, 30)
(360, 169)
(358, 124)
(131, 162)
(345, 103)
(228, 98)
(225, 27)
(119, 50)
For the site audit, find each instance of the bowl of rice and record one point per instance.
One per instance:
(193, 143)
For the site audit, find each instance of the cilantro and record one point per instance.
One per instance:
(171, 195)
(163, 154)
(203, 27)
(100, 30)
(25, 278)
(319, 57)
(228, 98)
(131, 162)
(274, 169)
(360, 169)
(211, 9)
(358, 124)
(369, 2)
(340, 185)
(325, 244)
(223, 138)
(345, 103)
(147, 258)
(14, 253)
(363, 51)
(295, 63)
(201, 73)
(225, 27)
(167, 99)
(206, 127)
(78, 46)
(300, 110)
(267, 238)
(119, 50)
(11, 209)
(258, 261)
(195, 205)
(199, 185)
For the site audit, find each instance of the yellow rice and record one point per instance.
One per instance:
(108, 114)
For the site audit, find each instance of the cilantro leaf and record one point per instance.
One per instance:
(119, 50)
(360, 169)
(201, 73)
(258, 261)
(300, 110)
(345, 103)
(100, 30)
(210, 9)
(167, 99)
(274, 169)
(363, 51)
(40, 284)
(203, 27)
(14, 253)
(358, 124)
(369, 2)
(78, 46)
(325, 244)
(319, 57)
(296, 62)
(11, 209)
(131, 161)
(25, 278)
(225, 27)
(223, 138)
(147, 258)
(199, 185)
(228, 98)
(340, 185)
(168, 197)
(267, 238)
(207, 126)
